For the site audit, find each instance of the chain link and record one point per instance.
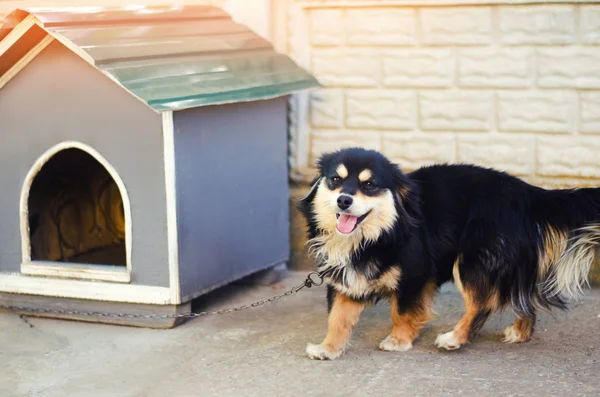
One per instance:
(312, 279)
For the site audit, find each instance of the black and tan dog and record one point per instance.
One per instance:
(385, 234)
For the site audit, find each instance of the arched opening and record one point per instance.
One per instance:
(75, 210)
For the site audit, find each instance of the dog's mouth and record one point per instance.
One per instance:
(347, 223)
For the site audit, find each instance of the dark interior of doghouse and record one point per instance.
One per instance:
(76, 212)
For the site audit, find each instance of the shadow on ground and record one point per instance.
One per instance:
(260, 352)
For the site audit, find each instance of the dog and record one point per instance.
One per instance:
(379, 233)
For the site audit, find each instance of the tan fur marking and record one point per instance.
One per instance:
(390, 278)
(365, 175)
(569, 274)
(456, 276)
(461, 330)
(555, 244)
(342, 171)
(342, 319)
(472, 307)
(407, 325)
(359, 286)
(334, 249)
(492, 303)
(521, 331)
(403, 192)
(382, 217)
(524, 326)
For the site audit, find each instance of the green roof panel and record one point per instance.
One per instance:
(174, 57)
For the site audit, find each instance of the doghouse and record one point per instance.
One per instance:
(143, 157)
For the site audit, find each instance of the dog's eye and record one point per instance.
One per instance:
(336, 179)
(368, 185)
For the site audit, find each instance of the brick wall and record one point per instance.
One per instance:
(516, 87)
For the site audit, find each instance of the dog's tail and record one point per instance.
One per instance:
(569, 234)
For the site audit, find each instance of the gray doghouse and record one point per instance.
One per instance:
(143, 159)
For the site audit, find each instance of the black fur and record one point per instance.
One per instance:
(492, 222)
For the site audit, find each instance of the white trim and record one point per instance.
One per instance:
(299, 51)
(170, 185)
(436, 3)
(30, 21)
(27, 266)
(109, 292)
(299, 135)
(76, 271)
(21, 63)
(15, 34)
(71, 46)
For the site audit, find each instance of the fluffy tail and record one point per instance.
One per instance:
(570, 224)
(568, 275)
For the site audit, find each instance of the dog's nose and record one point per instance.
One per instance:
(344, 202)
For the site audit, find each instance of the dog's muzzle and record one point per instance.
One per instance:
(347, 223)
(344, 202)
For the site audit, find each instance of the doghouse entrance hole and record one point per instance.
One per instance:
(75, 212)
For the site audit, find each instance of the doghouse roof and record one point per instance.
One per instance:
(171, 58)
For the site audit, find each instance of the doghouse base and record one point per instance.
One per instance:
(53, 303)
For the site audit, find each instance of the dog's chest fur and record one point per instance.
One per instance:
(355, 284)
(358, 280)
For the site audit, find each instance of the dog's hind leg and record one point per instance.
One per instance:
(474, 318)
(478, 307)
(343, 316)
(521, 331)
(408, 323)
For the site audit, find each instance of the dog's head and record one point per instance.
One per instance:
(358, 194)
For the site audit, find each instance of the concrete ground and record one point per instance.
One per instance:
(260, 352)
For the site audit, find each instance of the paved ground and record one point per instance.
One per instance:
(260, 353)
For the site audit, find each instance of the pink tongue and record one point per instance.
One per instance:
(346, 223)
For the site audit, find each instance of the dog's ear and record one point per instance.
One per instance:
(313, 189)
(305, 203)
(403, 191)
(314, 181)
(401, 182)
(407, 194)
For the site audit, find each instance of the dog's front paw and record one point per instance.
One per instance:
(391, 344)
(322, 352)
(448, 341)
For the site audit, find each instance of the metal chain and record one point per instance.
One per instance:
(312, 279)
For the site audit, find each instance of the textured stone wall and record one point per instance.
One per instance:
(516, 87)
